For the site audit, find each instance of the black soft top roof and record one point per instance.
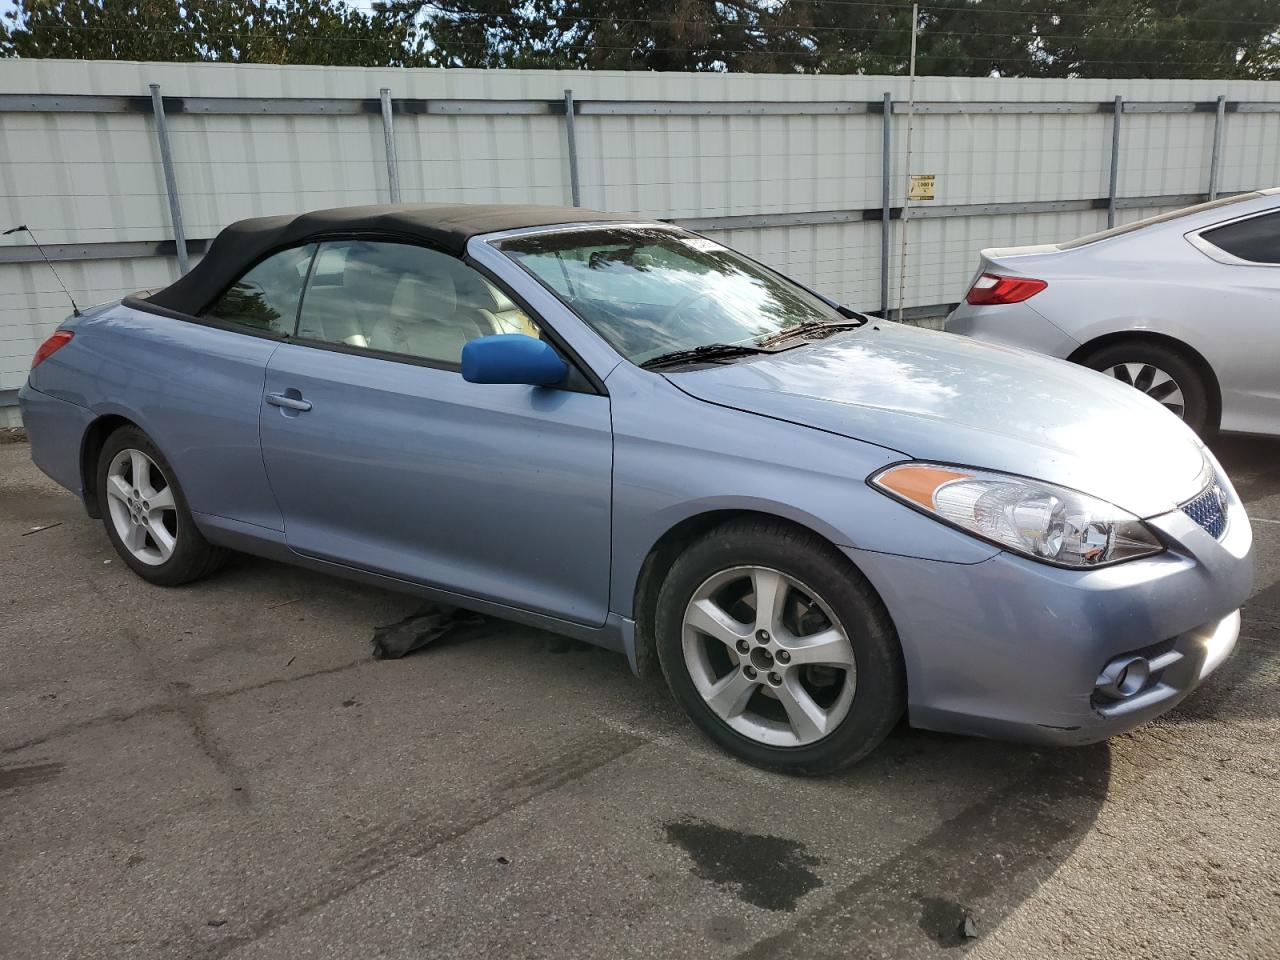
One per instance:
(445, 225)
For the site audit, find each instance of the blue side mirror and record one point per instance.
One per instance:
(512, 358)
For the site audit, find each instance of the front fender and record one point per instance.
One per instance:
(677, 458)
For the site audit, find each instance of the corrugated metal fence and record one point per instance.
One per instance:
(806, 173)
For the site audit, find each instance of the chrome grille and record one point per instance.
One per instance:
(1209, 510)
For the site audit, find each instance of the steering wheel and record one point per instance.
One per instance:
(685, 304)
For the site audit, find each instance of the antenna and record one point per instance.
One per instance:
(23, 228)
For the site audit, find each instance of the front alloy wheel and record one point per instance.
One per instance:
(768, 656)
(778, 648)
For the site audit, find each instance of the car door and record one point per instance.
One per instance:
(207, 383)
(382, 457)
(1246, 318)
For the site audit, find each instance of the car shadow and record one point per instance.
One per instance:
(983, 823)
(1237, 691)
(958, 881)
(1250, 462)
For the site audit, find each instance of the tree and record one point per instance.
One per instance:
(742, 35)
(1036, 38)
(1219, 39)
(247, 31)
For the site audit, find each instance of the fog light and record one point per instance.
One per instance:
(1124, 676)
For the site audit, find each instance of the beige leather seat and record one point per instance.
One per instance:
(425, 318)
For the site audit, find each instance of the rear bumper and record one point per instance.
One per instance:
(55, 429)
(1014, 649)
(1011, 325)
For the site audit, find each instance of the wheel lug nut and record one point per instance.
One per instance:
(783, 656)
(749, 672)
(743, 646)
(762, 636)
(775, 679)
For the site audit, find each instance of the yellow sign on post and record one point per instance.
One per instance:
(921, 186)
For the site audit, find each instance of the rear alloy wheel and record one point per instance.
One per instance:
(1162, 374)
(146, 514)
(778, 649)
(1154, 382)
(140, 502)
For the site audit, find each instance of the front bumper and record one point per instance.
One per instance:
(1011, 648)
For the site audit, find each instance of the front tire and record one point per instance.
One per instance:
(779, 649)
(146, 513)
(1162, 374)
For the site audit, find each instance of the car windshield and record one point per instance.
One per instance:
(650, 291)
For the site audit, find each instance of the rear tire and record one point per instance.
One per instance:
(808, 686)
(146, 513)
(1163, 374)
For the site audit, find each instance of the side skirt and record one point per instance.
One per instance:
(616, 634)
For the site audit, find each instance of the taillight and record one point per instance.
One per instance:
(992, 288)
(51, 346)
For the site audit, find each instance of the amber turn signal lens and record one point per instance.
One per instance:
(917, 483)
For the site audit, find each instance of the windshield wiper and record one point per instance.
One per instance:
(823, 327)
(708, 351)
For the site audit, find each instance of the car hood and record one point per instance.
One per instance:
(936, 396)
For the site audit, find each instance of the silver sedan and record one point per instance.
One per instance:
(1184, 306)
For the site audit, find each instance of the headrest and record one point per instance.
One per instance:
(474, 293)
(429, 292)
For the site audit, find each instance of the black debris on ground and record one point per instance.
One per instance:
(415, 631)
(42, 527)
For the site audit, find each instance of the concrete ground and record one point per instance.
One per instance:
(224, 771)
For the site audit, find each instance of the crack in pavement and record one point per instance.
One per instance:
(157, 709)
(390, 845)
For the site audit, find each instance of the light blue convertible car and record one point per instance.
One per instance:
(809, 520)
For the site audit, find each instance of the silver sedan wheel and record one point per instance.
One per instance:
(768, 656)
(143, 511)
(1152, 381)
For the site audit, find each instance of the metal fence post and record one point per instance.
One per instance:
(574, 190)
(170, 181)
(1115, 163)
(885, 173)
(1219, 121)
(393, 166)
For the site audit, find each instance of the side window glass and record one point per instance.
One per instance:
(1256, 239)
(400, 298)
(266, 298)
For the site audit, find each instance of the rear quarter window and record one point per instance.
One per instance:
(1256, 239)
(266, 298)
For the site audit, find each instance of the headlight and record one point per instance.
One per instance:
(1038, 520)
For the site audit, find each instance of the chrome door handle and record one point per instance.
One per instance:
(283, 400)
